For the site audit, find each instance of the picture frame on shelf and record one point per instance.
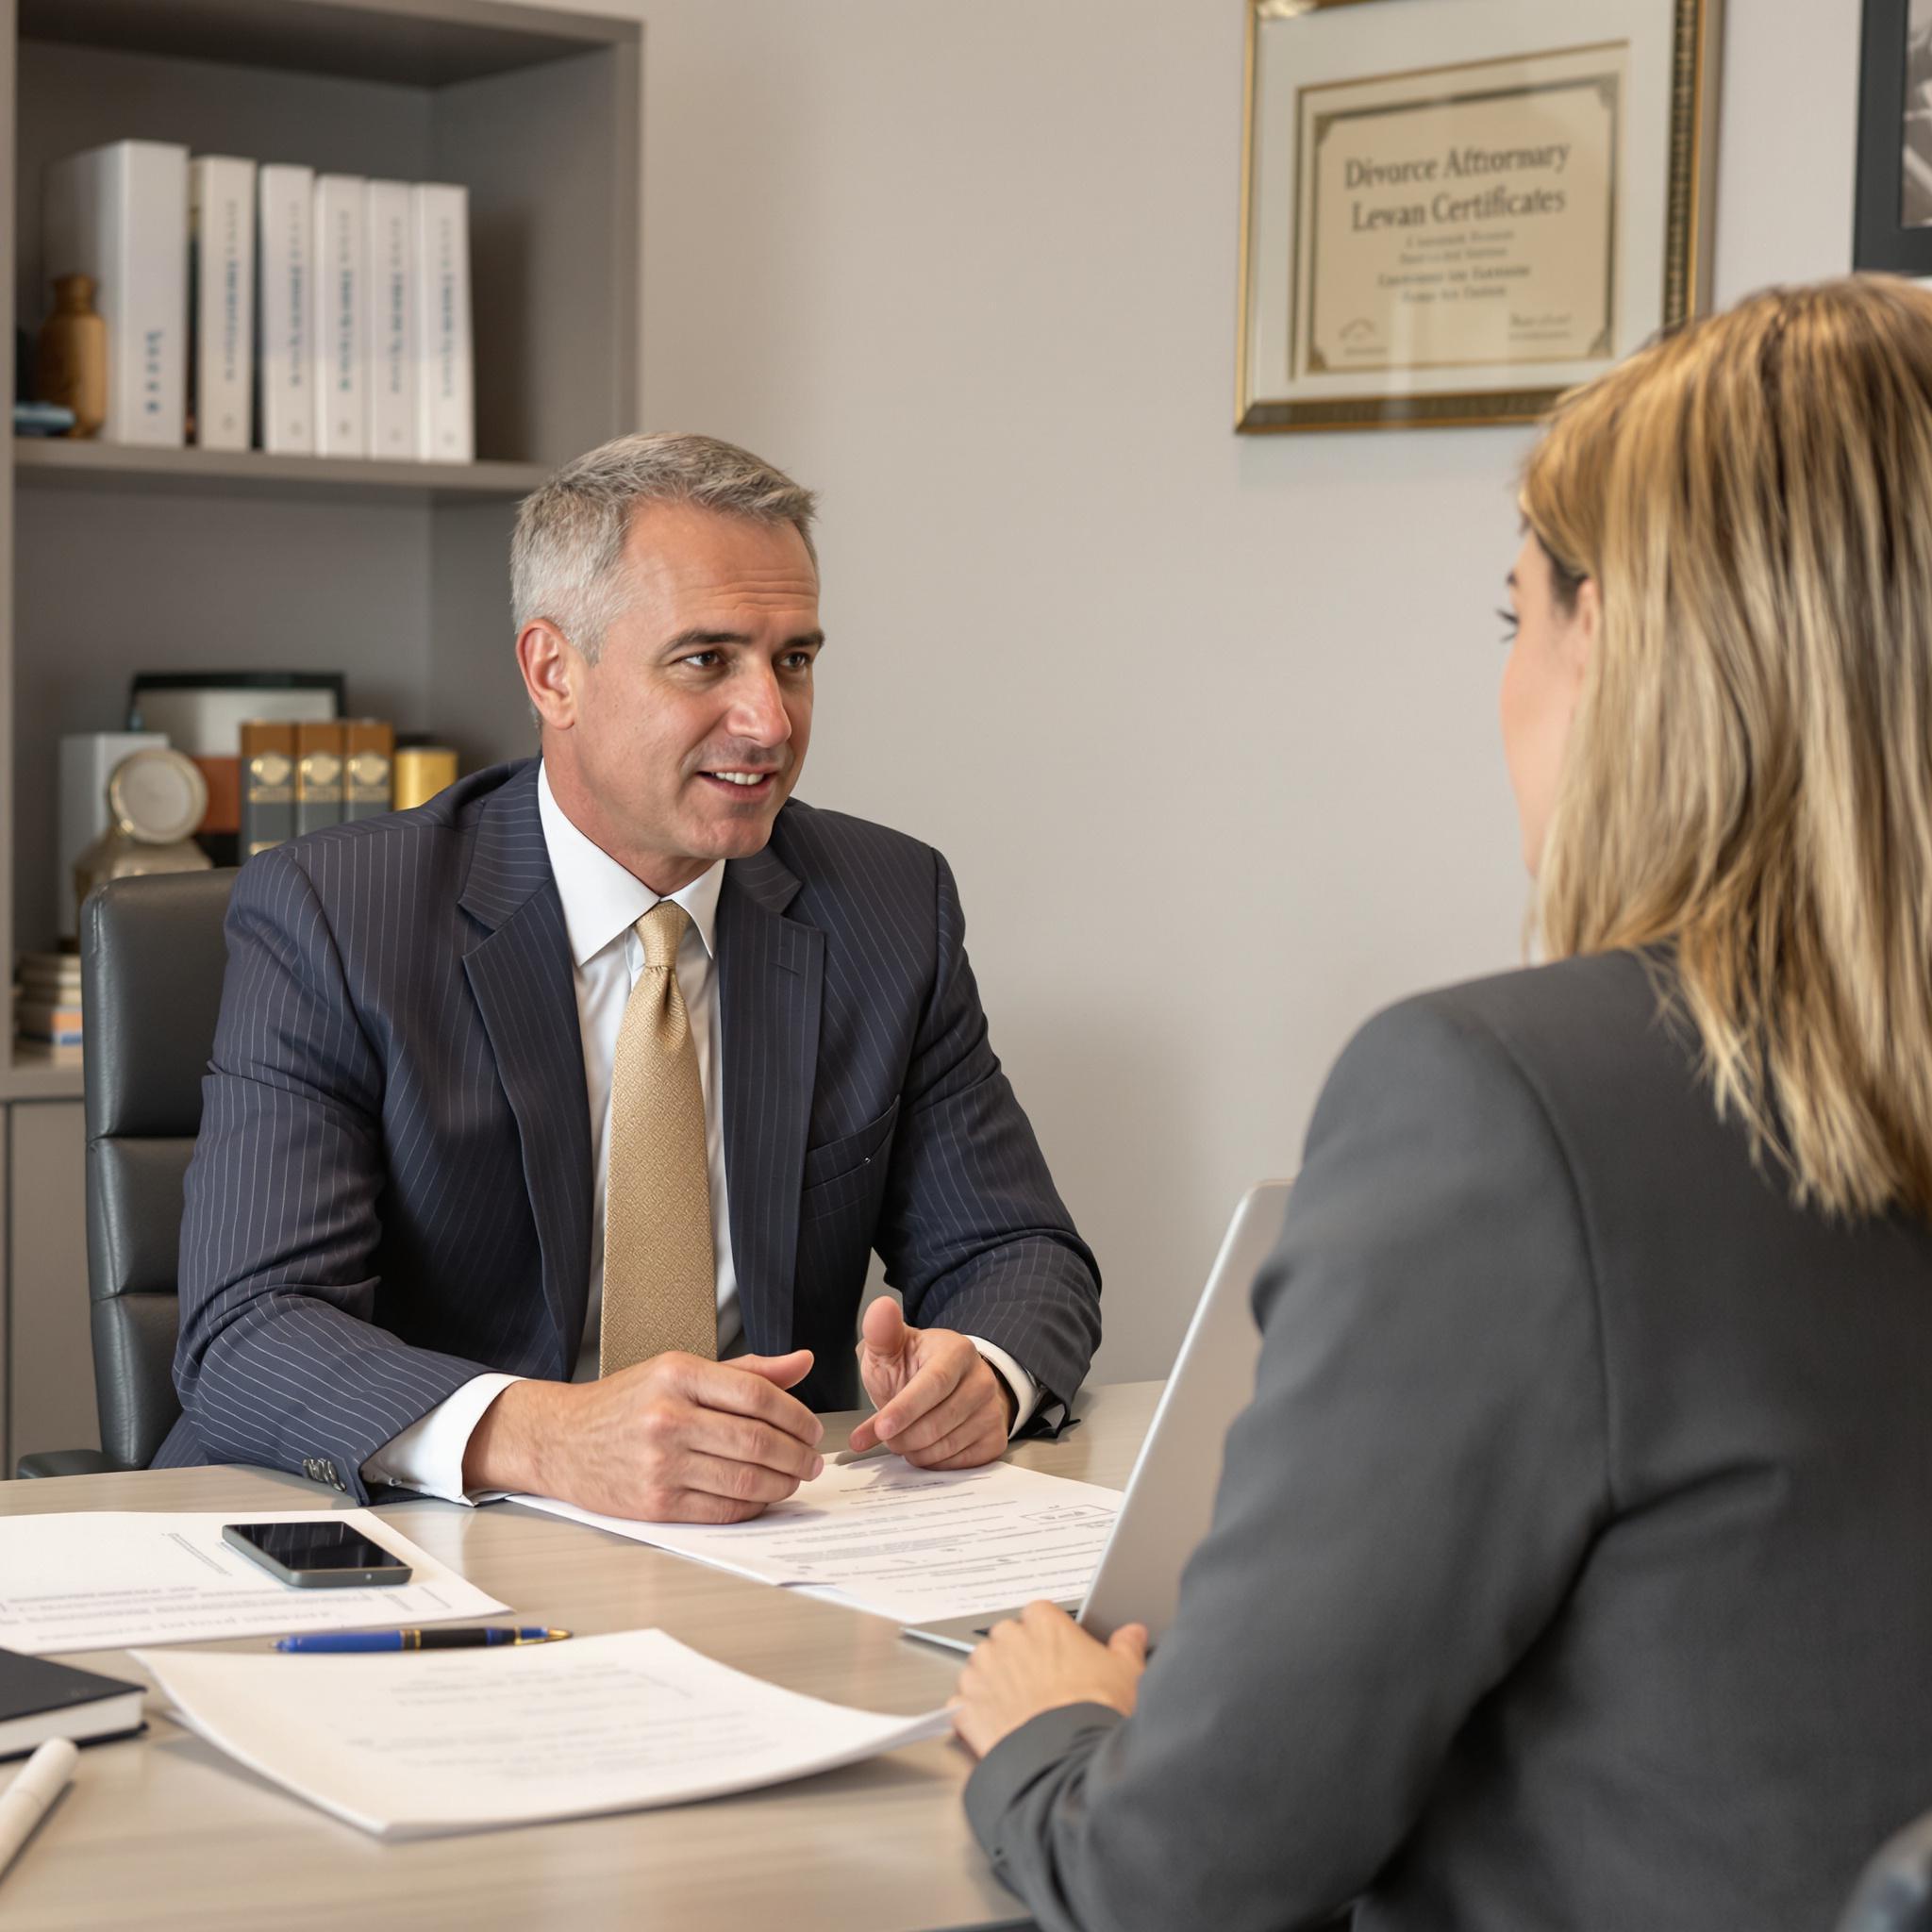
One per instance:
(1893, 220)
(202, 713)
(1455, 210)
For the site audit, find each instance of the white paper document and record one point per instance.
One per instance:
(109, 1579)
(431, 1742)
(914, 1545)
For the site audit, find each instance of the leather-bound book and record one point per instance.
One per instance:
(268, 785)
(369, 775)
(318, 775)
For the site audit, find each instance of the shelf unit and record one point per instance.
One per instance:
(94, 466)
(117, 559)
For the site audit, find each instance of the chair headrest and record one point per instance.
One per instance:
(151, 956)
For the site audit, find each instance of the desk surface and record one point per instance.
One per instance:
(163, 1831)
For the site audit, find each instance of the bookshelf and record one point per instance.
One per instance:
(59, 465)
(117, 559)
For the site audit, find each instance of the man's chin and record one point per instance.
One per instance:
(735, 838)
(726, 826)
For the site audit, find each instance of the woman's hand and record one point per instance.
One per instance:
(1041, 1662)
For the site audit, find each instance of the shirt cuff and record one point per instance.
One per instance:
(1025, 1390)
(428, 1455)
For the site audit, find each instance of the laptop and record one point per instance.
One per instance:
(1169, 1496)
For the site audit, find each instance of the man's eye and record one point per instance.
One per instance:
(704, 660)
(798, 660)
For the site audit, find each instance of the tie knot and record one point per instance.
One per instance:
(663, 930)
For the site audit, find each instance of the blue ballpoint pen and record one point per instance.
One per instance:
(466, 1637)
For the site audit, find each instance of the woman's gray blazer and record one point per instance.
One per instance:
(1573, 1567)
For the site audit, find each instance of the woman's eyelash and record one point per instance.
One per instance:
(1511, 622)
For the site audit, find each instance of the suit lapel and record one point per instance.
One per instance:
(521, 975)
(771, 978)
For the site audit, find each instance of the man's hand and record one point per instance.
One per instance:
(941, 1403)
(675, 1439)
(1039, 1663)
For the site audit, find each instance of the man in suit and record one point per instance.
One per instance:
(550, 1127)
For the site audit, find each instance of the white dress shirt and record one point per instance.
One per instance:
(602, 904)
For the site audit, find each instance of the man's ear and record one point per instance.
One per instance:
(552, 670)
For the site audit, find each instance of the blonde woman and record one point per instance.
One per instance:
(1573, 1567)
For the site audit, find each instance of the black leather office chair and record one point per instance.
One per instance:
(152, 959)
(1896, 1894)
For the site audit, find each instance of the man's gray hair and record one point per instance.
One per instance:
(566, 558)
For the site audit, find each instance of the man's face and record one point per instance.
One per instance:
(677, 747)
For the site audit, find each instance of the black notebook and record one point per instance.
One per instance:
(41, 1699)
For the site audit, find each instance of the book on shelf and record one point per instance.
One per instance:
(42, 1053)
(446, 377)
(43, 1020)
(340, 301)
(46, 998)
(119, 214)
(318, 775)
(60, 993)
(221, 312)
(62, 1002)
(268, 784)
(298, 777)
(368, 774)
(285, 356)
(270, 305)
(42, 419)
(222, 774)
(219, 832)
(391, 236)
(54, 977)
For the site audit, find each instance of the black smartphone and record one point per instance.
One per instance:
(316, 1555)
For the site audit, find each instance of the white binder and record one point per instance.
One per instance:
(285, 359)
(391, 283)
(342, 426)
(446, 378)
(221, 204)
(119, 214)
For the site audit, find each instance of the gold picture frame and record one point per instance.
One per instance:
(1521, 202)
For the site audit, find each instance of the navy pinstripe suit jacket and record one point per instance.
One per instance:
(391, 1189)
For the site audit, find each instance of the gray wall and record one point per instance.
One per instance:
(1206, 725)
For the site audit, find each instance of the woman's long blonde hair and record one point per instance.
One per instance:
(1749, 772)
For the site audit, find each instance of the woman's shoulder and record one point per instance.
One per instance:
(1588, 1020)
(1589, 1058)
(1573, 1014)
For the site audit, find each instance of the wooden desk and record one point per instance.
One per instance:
(161, 1831)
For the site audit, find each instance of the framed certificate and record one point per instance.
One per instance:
(1894, 222)
(1453, 210)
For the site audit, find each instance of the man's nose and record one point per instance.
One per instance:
(758, 709)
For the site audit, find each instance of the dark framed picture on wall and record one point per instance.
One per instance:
(1453, 210)
(1892, 228)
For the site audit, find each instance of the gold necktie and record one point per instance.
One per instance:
(660, 1277)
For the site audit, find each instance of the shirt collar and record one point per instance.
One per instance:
(602, 900)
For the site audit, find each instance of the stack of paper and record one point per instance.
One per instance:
(914, 1545)
(423, 1742)
(108, 1579)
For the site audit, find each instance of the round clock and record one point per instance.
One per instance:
(157, 797)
